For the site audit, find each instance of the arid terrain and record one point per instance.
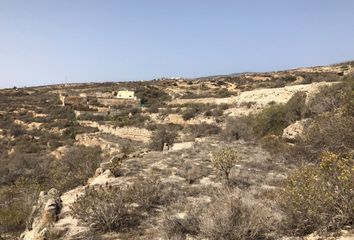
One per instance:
(242, 156)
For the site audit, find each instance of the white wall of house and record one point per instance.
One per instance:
(126, 94)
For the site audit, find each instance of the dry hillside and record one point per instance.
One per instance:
(242, 156)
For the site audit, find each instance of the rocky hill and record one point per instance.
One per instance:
(241, 156)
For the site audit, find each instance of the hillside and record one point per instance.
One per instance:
(240, 156)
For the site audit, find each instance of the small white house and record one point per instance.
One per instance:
(125, 94)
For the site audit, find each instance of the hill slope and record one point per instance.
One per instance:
(106, 168)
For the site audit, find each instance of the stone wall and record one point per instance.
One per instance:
(132, 133)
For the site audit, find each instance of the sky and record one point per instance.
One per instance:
(57, 41)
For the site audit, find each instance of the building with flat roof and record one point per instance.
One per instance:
(126, 94)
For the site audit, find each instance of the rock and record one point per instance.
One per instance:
(98, 171)
(104, 166)
(102, 179)
(166, 147)
(181, 146)
(43, 215)
(295, 130)
(119, 156)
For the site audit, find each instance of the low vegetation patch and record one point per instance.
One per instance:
(232, 216)
(275, 118)
(320, 197)
(16, 202)
(161, 137)
(151, 96)
(112, 208)
(224, 161)
(76, 166)
(202, 130)
(238, 128)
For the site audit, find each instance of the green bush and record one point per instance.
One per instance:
(271, 120)
(275, 118)
(224, 160)
(320, 197)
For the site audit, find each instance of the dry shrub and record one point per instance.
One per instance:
(310, 77)
(192, 172)
(115, 166)
(176, 227)
(320, 197)
(331, 130)
(150, 95)
(191, 113)
(203, 130)
(328, 132)
(130, 117)
(231, 216)
(112, 208)
(76, 166)
(280, 149)
(147, 193)
(238, 128)
(16, 203)
(216, 111)
(16, 130)
(104, 210)
(329, 98)
(126, 148)
(55, 234)
(162, 136)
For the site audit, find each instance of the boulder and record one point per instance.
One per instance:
(295, 130)
(43, 215)
(103, 178)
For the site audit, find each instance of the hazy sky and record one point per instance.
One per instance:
(49, 41)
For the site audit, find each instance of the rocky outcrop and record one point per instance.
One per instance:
(295, 130)
(43, 215)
